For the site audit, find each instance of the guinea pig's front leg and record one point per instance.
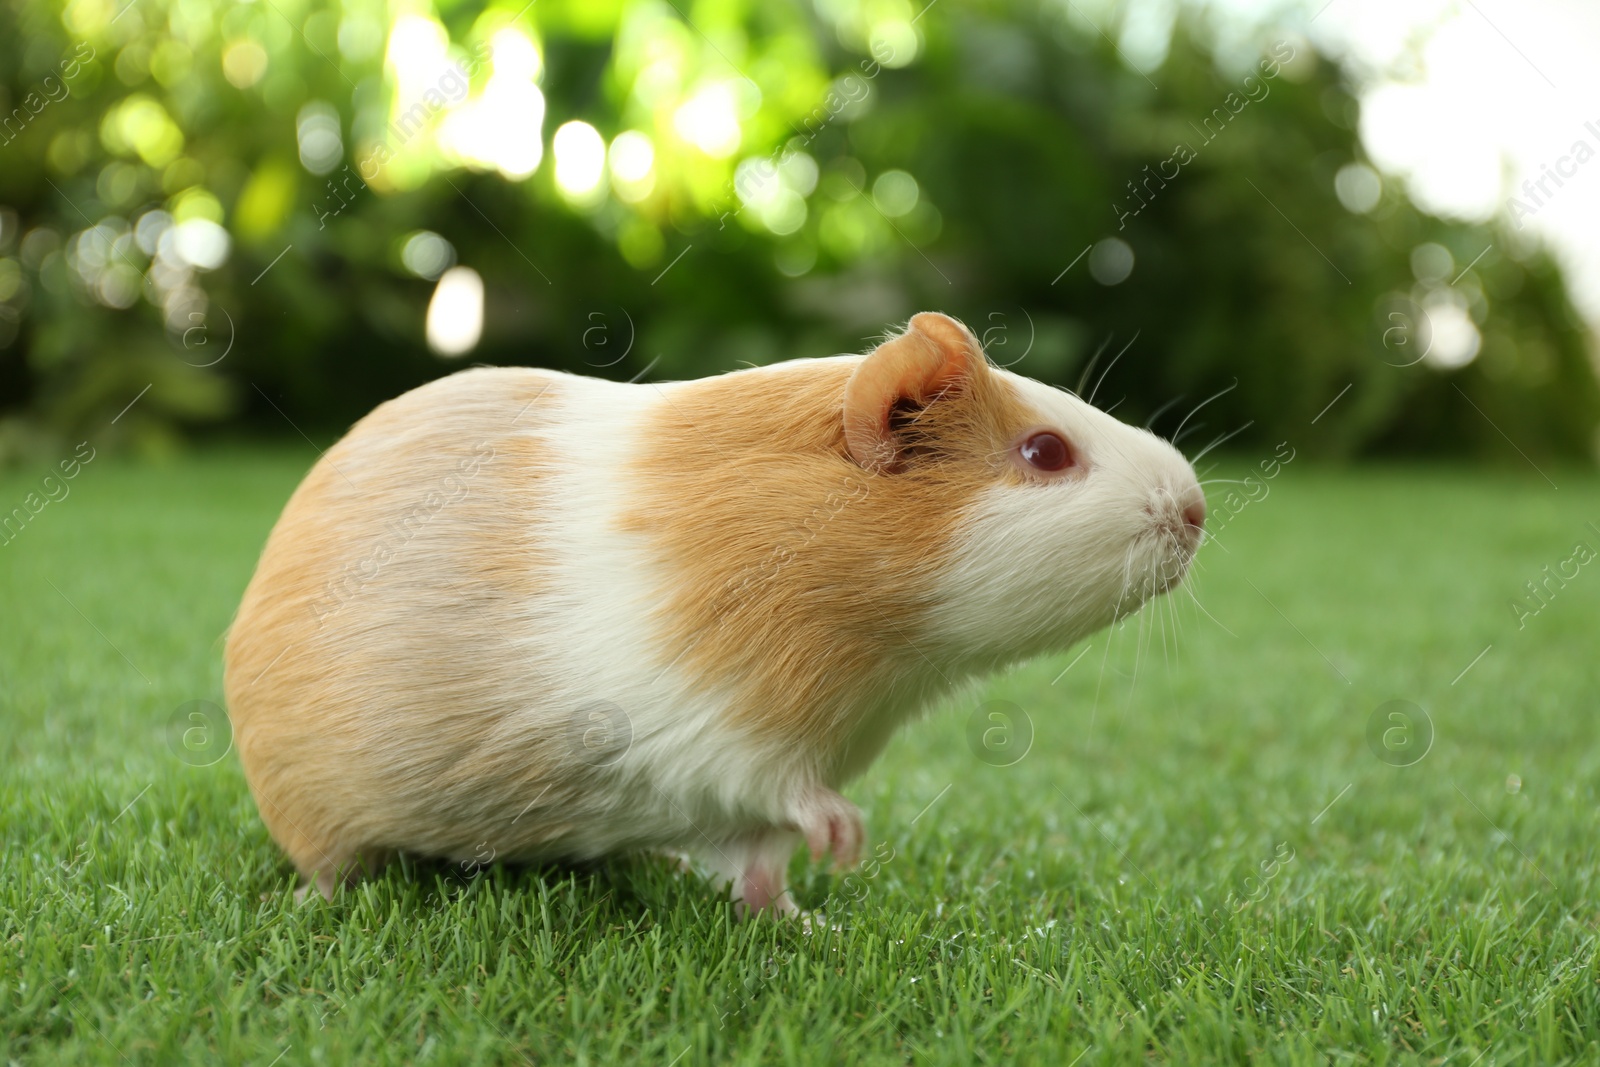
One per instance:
(756, 865)
(830, 823)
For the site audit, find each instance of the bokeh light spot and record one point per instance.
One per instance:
(455, 314)
(632, 161)
(427, 255)
(1431, 262)
(1358, 187)
(317, 130)
(580, 154)
(709, 121)
(895, 192)
(244, 62)
(1111, 261)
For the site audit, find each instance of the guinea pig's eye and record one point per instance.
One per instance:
(1047, 451)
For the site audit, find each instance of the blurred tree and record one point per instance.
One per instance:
(245, 209)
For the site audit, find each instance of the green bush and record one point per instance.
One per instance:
(967, 162)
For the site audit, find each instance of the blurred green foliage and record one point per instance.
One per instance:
(243, 207)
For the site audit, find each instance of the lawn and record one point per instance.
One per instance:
(1210, 851)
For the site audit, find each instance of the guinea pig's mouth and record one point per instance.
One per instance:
(1179, 526)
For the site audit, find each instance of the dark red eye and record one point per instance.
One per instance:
(1047, 452)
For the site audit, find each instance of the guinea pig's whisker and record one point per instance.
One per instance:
(1176, 620)
(1088, 370)
(1163, 409)
(1138, 654)
(1115, 406)
(1101, 380)
(1195, 597)
(1203, 403)
(1155, 630)
(1111, 635)
(1162, 616)
(1223, 440)
(1196, 428)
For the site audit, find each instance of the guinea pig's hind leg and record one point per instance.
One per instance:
(762, 883)
(329, 876)
(753, 868)
(322, 881)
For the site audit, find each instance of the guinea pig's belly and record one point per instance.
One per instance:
(530, 780)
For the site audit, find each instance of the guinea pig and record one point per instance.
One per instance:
(533, 616)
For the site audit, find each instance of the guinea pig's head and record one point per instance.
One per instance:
(1067, 518)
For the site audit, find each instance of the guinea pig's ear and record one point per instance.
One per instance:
(933, 355)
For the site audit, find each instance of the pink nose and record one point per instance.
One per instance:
(1195, 515)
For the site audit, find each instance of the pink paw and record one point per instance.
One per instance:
(831, 824)
(763, 890)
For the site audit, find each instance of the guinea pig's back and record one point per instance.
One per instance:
(395, 664)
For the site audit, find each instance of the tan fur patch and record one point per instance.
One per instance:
(799, 578)
(362, 601)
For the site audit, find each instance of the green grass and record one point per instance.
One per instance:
(1103, 898)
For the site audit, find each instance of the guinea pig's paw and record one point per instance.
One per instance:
(831, 824)
(762, 889)
(781, 906)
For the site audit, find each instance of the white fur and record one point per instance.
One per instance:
(589, 637)
(1102, 536)
(687, 779)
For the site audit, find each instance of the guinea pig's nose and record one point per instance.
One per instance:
(1195, 514)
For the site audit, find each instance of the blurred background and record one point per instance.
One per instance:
(1374, 224)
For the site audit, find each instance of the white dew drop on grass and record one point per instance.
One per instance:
(455, 314)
